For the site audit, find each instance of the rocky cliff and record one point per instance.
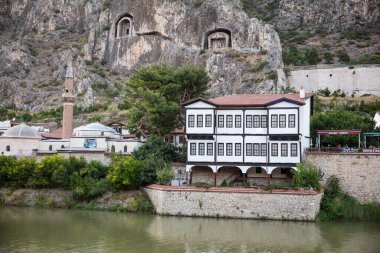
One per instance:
(109, 40)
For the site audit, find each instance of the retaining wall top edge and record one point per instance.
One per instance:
(230, 190)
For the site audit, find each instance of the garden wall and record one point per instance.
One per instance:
(359, 174)
(234, 202)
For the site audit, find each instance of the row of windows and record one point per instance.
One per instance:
(251, 121)
(280, 121)
(252, 149)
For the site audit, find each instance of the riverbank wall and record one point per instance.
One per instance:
(359, 173)
(125, 201)
(235, 202)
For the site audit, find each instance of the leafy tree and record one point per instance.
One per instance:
(340, 120)
(21, 173)
(343, 56)
(155, 94)
(155, 146)
(311, 56)
(49, 172)
(329, 58)
(307, 175)
(164, 175)
(7, 163)
(124, 172)
(148, 171)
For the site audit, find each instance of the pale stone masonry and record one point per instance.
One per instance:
(359, 174)
(235, 204)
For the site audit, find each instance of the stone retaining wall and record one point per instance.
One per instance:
(235, 203)
(359, 174)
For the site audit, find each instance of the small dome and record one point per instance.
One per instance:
(22, 131)
(95, 127)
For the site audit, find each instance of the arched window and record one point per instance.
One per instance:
(113, 148)
(50, 147)
(218, 38)
(123, 26)
(8, 148)
(125, 149)
(62, 146)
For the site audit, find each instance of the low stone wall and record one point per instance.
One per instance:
(235, 203)
(359, 174)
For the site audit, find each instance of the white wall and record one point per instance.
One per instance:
(360, 79)
(252, 130)
(18, 146)
(203, 129)
(225, 129)
(119, 146)
(284, 159)
(197, 157)
(78, 142)
(287, 129)
(229, 139)
(56, 144)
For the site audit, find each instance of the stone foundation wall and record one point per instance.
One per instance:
(359, 174)
(234, 203)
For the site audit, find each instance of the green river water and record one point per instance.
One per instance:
(49, 230)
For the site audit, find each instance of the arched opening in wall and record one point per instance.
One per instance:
(123, 26)
(202, 174)
(282, 175)
(125, 149)
(50, 147)
(8, 148)
(229, 176)
(217, 39)
(256, 176)
(62, 146)
(113, 148)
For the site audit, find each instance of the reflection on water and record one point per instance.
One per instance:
(43, 230)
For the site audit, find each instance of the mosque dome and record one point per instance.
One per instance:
(22, 131)
(95, 127)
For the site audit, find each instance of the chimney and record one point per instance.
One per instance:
(68, 103)
(302, 93)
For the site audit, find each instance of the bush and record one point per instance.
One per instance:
(202, 185)
(21, 173)
(343, 56)
(260, 66)
(156, 146)
(142, 204)
(307, 176)
(148, 171)
(164, 175)
(7, 163)
(224, 183)
(124, 172)
(49, 172)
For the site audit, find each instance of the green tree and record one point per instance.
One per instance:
(307, 175)
(329, 58)
(7, 163)
(124, 172)
(164, 175)
(155, 146)
(148, 171)
(311, 56)
(155, 93)
(49, 172)
(340, 120)
(343, 56)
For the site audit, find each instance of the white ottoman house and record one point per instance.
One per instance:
(242, 139)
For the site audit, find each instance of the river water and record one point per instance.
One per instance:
(50, 231)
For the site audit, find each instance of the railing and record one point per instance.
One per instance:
(332, 66)
(343, 150)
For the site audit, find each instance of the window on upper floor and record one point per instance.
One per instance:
(284, 149)
(248, 120)
(190, 121)
(248, 150)
(282, 120)
(220, 120)
(221, 149)
(263, 149)
(292, 121)
(237, 121)
(229, 122)
(256, 149)
(8, 148)
(256, 121)
(264, 121)
(125, 149)
(199, 120)
(50, 147)
(274, 149)
(193, 148)
(208, 120)
(274, 121)
(229, 149)
(293, 150)
(237, 149)
(201, 149)
(210, 149)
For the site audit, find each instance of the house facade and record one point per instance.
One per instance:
(246, 138)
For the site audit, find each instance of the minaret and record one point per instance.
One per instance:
(68, 103)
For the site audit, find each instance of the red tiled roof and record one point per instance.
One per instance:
(55, 134)
(257, 99)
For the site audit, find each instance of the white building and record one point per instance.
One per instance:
(246, 138)
(93, 141)
(377, 119)
(20, 140)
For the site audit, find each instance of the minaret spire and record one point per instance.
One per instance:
(68, 102)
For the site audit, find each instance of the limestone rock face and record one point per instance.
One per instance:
(109, 40)
(332, 15)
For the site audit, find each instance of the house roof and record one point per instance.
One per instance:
(95, 127)
(55, 134)
(258, 100)
(252, 100)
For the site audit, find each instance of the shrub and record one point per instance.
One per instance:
(260, 66)
(202, 184)
(124, 172)
(164, 175)
(49, 172)
(307, 175)
(21, 173)
(6, 165)
(149, 169)
(156, 146)
(142, 204)
(224, 183)
(343, 56)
